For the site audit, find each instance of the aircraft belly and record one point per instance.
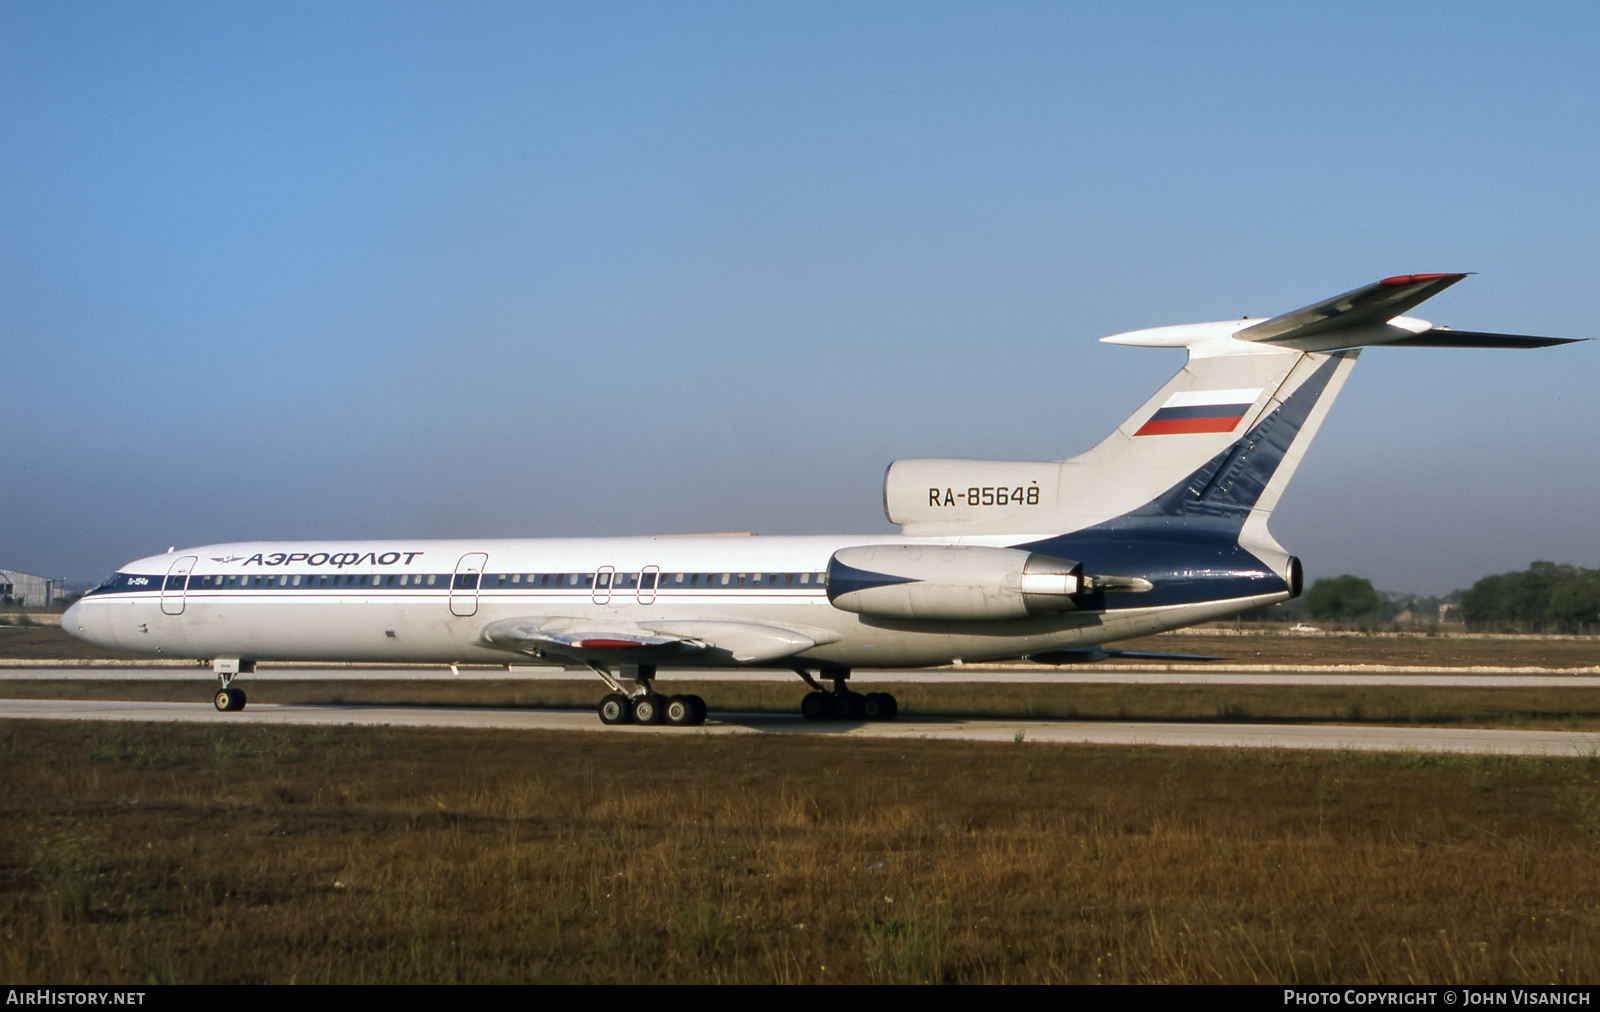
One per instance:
(968, 641)
(326, 630)
(421, 632)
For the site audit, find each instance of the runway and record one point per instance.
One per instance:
(1567, 744)
(1363, 675)
(1217, 735)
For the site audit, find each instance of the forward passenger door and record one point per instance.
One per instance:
(175, 587)
(464, 585)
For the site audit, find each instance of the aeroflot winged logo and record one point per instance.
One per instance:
(1199, 411)
(336, 559)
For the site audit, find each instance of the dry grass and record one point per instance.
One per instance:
(133, 853)
(1410, 650)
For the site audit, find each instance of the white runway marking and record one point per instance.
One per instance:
(1321, 736)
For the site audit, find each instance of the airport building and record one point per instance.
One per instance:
(24, 590)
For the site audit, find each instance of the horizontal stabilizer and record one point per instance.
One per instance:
(1370, 305)
(1370, 316)
(1444, 337)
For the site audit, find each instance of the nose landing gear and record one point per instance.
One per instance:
(228, 699)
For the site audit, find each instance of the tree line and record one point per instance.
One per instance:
(1545, 597)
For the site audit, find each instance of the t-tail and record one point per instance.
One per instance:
(1174, 504)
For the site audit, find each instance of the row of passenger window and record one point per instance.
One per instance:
(604, 580)
(651, 580)
(221, 582)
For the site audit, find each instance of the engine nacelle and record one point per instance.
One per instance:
(951, 582)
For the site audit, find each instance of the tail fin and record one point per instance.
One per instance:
(1222, 438)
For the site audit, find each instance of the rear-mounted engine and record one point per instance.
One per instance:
(953, 583)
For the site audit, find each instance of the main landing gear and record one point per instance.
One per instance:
(644, 705)
(641, 704)
(227, 699)
(841, 703)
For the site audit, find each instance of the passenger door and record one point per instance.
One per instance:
(464, 585)
(603, 577)
(175, 587)
(647, 584)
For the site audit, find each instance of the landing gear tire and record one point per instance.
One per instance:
(648, 709)
(685, 711)
(614, 709)
(879, 706)
(816, 706)
(849, 705)
(229, 700)
(678, 711)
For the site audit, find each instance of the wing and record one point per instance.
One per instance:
(1372, 315)
(570, 640)
(618, 642)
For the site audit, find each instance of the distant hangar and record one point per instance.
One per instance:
(24, 590)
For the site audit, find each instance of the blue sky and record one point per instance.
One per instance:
(340, 270)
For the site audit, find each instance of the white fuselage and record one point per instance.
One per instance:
(408, 601)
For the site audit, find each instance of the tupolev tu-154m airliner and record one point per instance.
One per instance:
(1162, 525)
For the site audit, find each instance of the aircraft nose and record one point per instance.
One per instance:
(75, 621)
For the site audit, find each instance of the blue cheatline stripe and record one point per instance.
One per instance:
(551, 584)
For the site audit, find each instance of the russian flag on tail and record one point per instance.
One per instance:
(1200, 411)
